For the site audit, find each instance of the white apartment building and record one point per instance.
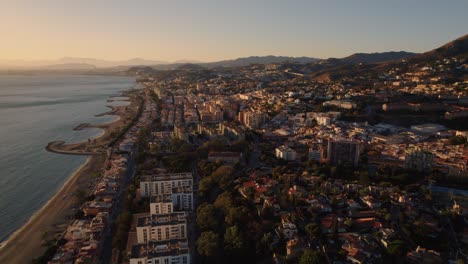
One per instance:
(175, 252)
(285, 152)
(161, 204)
(163, 227)
(151, 185)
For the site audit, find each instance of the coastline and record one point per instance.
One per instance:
(38, 212)
(27, 242)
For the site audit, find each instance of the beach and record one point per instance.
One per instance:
(51, 220)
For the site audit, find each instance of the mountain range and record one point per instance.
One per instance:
(70, 63)
(458, 46)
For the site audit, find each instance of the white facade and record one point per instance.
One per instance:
(164, 183)
(161, 208)
(162, 228)
(285, 152)
(156, 253)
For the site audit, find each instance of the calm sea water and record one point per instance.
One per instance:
(35, 110)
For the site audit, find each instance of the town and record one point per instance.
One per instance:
(284, 163)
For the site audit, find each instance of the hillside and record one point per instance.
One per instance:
(455, 48)
(258, 60)
(336, 69)
(370, 58)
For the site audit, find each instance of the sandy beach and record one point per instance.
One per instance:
(27, 243)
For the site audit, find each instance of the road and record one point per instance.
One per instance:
(129, 175)
(254, 161)
(193, 230)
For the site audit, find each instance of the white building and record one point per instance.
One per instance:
(161, 204)
(161, 234)
(164, 183)
(163, 227)
(285, 152)
(175, 252)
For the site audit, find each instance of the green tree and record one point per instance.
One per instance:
(208, 244)
(310, 257)
(234, 243)
(223, 171)
(397, 248)
(312, 230)
(224, 201)
(226, 182)
(205, 185)
(207, 218)
(236, 215)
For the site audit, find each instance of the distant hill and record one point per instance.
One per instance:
(190, 67)
(69, 67)
(140, 70)
(14, 64)
(258, 60)
(456, 48)
(333, 69)
(369, 58)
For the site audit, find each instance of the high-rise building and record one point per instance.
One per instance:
(161, 227)
(252, 119)
(161, 236)
(178, 186)
(343, 151)
(172, 252)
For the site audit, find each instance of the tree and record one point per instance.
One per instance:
(223, 171)
(397, 248)
(208, 244)
(234, 242)
(205, 185)
(310, 257)
(312, 230)
(224, 201)
(206, 217)
(237, 215)
(226, 182)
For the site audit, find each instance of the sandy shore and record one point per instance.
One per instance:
(27, 243)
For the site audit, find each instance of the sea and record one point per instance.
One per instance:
(37, 109)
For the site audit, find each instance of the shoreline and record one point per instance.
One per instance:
(38, 212)
(27, 242)
(98, 144)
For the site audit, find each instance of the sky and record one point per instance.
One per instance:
(210, 30)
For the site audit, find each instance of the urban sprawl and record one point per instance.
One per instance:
(263, 164)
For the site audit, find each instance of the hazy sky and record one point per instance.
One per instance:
(212, 30)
